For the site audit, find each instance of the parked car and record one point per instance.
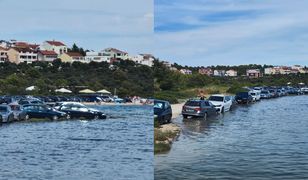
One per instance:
(256, 95)
(243, 98)
(198, 108)
(44, 111)
(19, 114)
(6, 113)
(78, 110)
(162, 111)
(265, 94)
(221, 102)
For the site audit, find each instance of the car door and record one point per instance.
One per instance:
(211, 108)
(228, 103)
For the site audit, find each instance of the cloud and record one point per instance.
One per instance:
(93, 24)
(231, 32)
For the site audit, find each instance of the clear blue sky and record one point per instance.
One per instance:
(92, 24)
(231, 32)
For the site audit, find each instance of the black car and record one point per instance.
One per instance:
(162, 111)
(243, 98)
(198, 108)
(78, 110)
(43, 111)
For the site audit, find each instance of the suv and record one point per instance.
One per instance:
(243, 98)
(198, 108)
(256, 95)
(221, 102)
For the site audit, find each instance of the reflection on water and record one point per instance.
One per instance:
(265, 140)
(120, 147)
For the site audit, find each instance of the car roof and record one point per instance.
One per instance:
(163, 101)
(220, 95)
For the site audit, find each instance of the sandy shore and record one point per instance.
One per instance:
(176, 110)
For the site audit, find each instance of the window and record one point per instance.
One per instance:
(216, 98)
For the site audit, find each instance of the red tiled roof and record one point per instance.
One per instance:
(116, 50)
(55, 43)
(48, 53)
(3, 49)
(23, 49)
(74, 54)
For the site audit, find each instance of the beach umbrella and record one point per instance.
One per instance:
(87, 91)
(301, 83)
(63, 90)
(103, 91)
(289, 83)
(30, 88)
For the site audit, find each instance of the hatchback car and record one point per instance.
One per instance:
(162, 111)
(198, 108)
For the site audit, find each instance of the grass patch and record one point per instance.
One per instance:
(160, 140)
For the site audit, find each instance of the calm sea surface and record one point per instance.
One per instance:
(120, 147)
(265, 140)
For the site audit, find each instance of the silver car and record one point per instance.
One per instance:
(6, 113)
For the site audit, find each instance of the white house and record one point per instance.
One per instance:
(231, 73)
(96, 56)
(56, 46)
(49, 56)
(112, 53)
(186, 71)
(144, 59)
(219, 73)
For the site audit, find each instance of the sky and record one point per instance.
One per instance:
(91, 24)
(231, 32)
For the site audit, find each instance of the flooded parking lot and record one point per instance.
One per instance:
(264, 140)
(120, 147)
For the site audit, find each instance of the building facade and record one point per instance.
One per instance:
(48, 56)
(19, 55)
(206, 71)
(3, 55)
(231, 73)
(56, 46)
(253, 73)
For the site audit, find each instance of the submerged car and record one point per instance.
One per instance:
(243, 98)
(162, 111)
(43, 111)
(6, 113)
(78, 110)
(221, 102)
(265, 94)
(256, 95)
(198, 108)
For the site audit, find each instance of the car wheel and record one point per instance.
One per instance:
(55, 118)
(68, 117)
(185, 116)
(96, 117)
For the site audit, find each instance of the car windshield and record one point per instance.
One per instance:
(158, 105)
(192, 103)
(216, 98)
(242, 94)
(3, 109)
(252, 94)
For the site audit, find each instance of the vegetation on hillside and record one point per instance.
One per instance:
(126, 77)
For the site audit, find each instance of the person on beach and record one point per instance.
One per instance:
(201, 95)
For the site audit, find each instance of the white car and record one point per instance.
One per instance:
(256, 95)
(221, 102)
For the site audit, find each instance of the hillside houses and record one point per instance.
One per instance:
(24, 52)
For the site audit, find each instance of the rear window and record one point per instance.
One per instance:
(242, 94)
(158, 105)
(192, 103)
(216, 98)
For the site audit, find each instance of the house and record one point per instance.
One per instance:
(299, 68)
(45, 55)
(96, 57)
(3, 54)
(56, 46)
(206, 71)
(72, 57)
(18, 55)
(19, 44)
(219, 73)
(112, 53)
(144, 59)
(231, 73)
(253, 73)
(185, 71)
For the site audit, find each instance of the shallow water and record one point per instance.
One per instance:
(120, 147)
(265, 140)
